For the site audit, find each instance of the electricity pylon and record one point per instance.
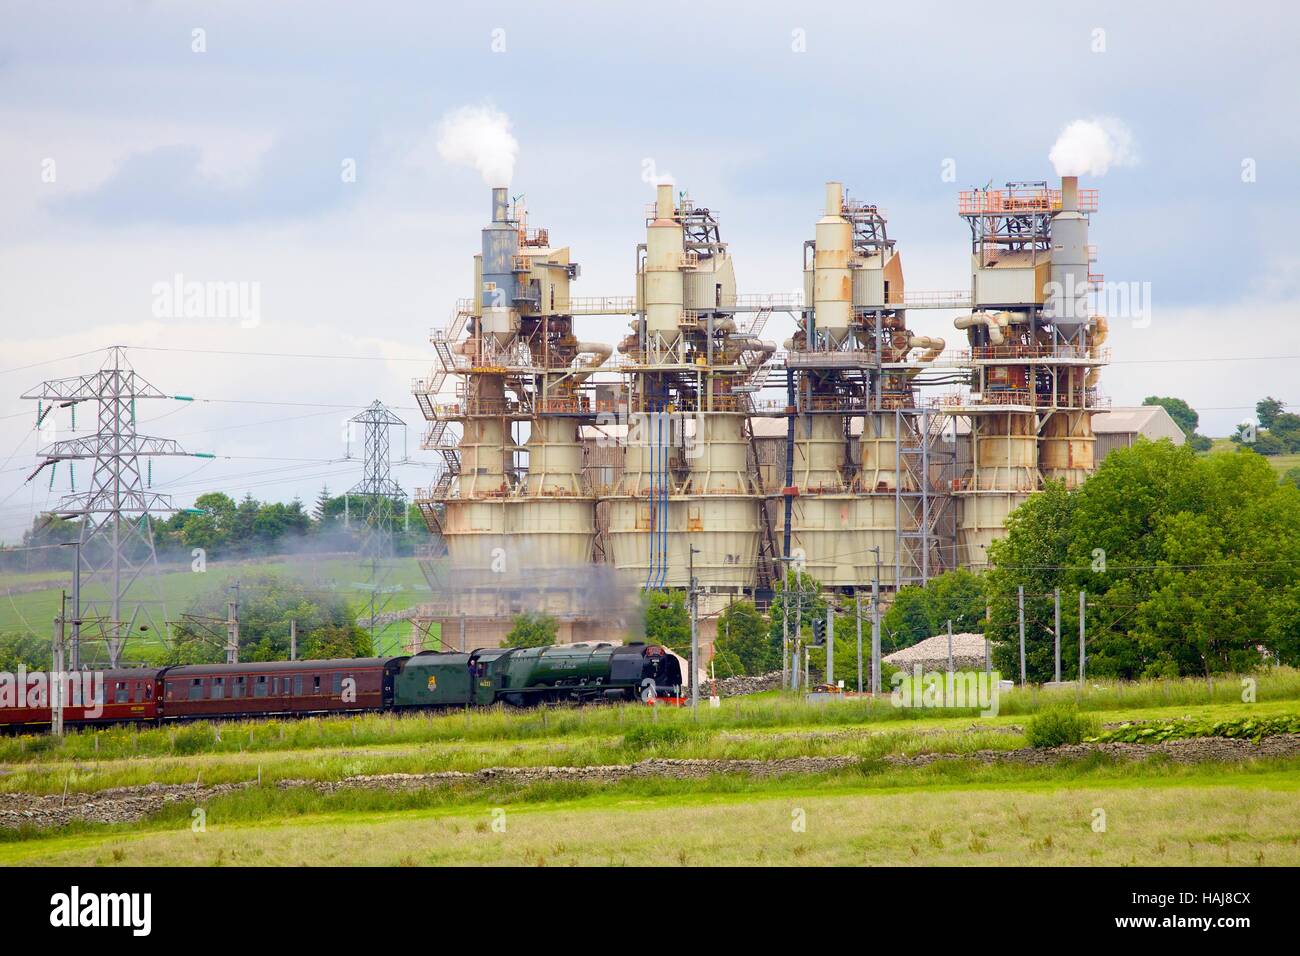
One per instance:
(378, 492)
(119, 593)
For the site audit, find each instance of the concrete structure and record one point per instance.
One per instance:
(859, 491)
(1035, 352)
(686, 497)
(701, 446)
(512, 505)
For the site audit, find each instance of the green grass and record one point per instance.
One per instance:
(773, 712)
(34, 610)
(949, 812)
(769, 727)
(1154, 813)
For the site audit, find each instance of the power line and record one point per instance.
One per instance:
(295, 355)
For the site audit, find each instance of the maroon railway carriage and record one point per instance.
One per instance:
(278, 687)
(125, 695)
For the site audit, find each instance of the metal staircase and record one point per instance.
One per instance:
(426, 390)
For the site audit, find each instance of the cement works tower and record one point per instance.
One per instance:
(571, 484)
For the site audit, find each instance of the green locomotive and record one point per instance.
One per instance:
(533, 675)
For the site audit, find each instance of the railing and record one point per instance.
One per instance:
(560, 406)
(993, 352)
(689, 260)
(974, 202)
(1091, 401)
(1006, 397)
(596, 305)
(954, 299)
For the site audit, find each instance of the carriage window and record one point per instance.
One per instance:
(259, 689)
(120, 693)
(218, 688)
(148, 691)
(196, 689)
(297, 685)
(275, 687)
(237, 688)
(316, 684)
(338, 683)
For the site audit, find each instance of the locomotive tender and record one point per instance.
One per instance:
(519, 677)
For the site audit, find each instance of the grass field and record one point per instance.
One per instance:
(1234, 817)
(869, 810)
(1280, 463)
(26, 607)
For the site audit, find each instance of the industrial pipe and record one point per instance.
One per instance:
(994, 323)
(1094, 349)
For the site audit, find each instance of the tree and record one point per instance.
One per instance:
(1266, 410)
(744, 642)
(1286, 428)
(1188, 563)
(321, 508)
(799, 599)
(1292, 476)
(1178, 410)
(908, 620)
(532, 629)
(23, 650)
(1267, 443)
(334, 641)
(667, 621)
(1030, 556)
(326, 622)
(921, 612)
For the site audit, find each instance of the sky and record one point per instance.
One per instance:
(291, 148)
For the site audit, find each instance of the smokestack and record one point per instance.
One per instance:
(1069, 193)
(500, 204)
(664, 201)
(834, 199)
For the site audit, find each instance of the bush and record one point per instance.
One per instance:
(1248, 728)
(1057, 725)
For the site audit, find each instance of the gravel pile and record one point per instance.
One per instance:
(735, 686)
(932, 654)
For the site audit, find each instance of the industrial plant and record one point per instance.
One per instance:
(578, 474)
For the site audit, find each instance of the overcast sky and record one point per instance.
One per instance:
(129, 158)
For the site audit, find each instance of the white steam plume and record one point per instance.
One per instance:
(1091, 147)
(480, 137)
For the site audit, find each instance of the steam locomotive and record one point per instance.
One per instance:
(518, 677)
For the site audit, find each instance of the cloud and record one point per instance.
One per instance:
(173, 185)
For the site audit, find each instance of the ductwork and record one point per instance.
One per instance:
(994, 322)
(1100, 329)
(598, 352)
(933, 347)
